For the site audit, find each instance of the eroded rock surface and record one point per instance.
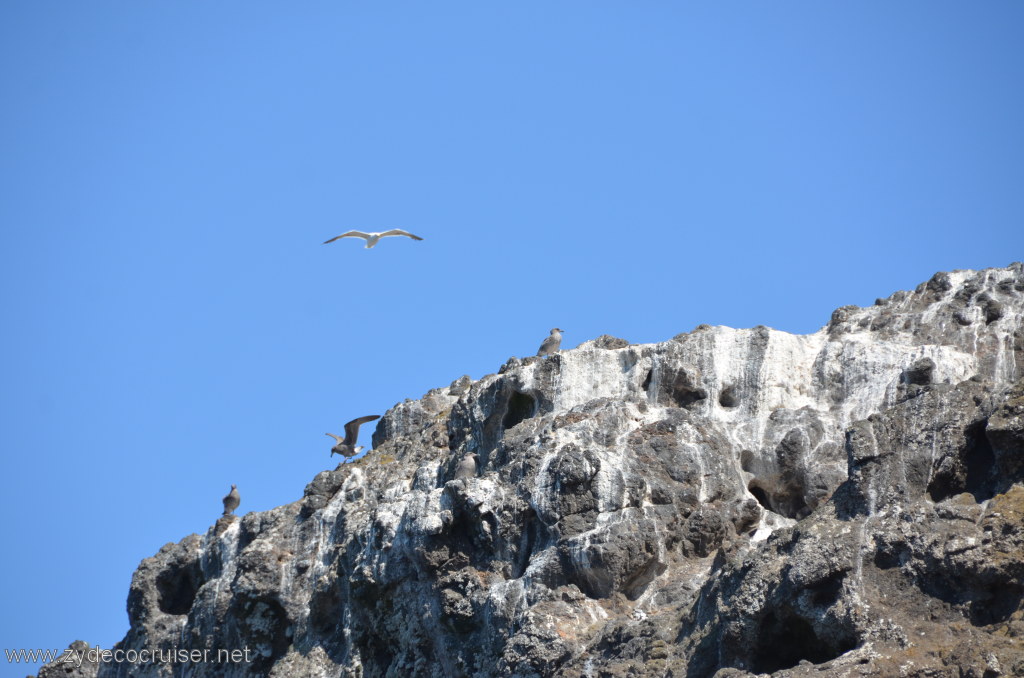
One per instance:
(725, 503)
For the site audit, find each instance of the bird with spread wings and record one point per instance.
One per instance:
(373, 238)
(346, 446)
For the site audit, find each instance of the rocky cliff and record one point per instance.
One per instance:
(725, 503)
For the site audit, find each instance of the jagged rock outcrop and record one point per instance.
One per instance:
(725, 503)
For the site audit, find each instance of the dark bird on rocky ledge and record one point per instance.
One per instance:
(346, 446)
(232, 500)
(551, 344)
(373, 238)
(467, 466)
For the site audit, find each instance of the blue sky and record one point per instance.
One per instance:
(172, 323)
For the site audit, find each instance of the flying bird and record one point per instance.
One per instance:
(346, 446)
(232, 500)
(551, 344)
(372, 238)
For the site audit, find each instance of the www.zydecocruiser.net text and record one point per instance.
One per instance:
(98, 655)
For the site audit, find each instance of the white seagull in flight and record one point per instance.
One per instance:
(372, 238)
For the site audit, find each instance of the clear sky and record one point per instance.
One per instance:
(169, 170)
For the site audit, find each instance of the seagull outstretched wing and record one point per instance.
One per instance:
(352, 428)
(350, 234)
(398, 231)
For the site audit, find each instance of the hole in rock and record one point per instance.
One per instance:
(760, 495)
(532, 535)
(678, 388)
(890, 557)
(785, 640)
(980, 461)
(686, 390)
(794, 507)
(786, 501)
(975, 473)
(983, 603)
(996, 604)
(177, 588)
(825, 593)
(728, 397)
(942, 487)
(520, 406)
(263, 622)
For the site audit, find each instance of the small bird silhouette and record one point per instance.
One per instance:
(232, 500)
(373, 238)
(346, 446)
(551, 344)
(467, 466)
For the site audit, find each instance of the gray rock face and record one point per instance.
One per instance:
(78, 661)
(725, 503)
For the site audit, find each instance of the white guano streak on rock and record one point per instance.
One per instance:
(786, 378)
(1005, 368)
(589, 373)
(227, 543)
(326, 520)
(786, 372)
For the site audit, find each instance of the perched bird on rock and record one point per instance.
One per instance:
(346, 446)
(372, 238)
(551, 344)
(467, 466)
(232, 500)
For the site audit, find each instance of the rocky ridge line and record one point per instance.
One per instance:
(725, 503)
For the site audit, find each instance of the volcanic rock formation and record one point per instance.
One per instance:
(725, 503)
